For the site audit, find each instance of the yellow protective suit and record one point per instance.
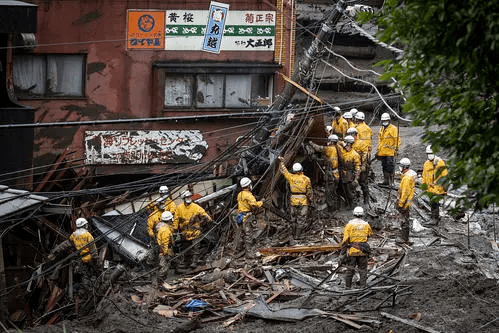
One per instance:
(388, 141)
(246, 201)
(350, 163)
(188, 220)
(80, 238)
(365, 133)
(362, 148)
(339, 126)
(170, 206)
(357, 230)
(153, 219)
(430, 170)
(300, 186)
(165, 238)
(406, 189)
(331, 154)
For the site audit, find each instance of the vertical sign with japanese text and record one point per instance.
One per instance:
(145, 29)
(217, 15)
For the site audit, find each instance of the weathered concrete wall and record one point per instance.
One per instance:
(122, 83)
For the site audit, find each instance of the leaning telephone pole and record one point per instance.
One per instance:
(311, 54)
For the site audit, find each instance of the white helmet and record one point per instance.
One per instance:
(336, 109)
(329, 128)
(80, 222)
(347, 115)
(405, 162)
(354, 112)
(163, 189)
(166, 216)
(245, 182)
(332, 138)
(429, 150)
(349, 139)
(360, 115)
(358, 211)
(297, 167)
(352, 131)
(186, 194)
(385, 116)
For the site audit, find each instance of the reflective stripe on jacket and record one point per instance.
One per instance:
(406, 189)
(430, 171)
(357, 230)
(388, 141)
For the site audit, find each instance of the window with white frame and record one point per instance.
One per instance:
(49, 76)
(209, 86)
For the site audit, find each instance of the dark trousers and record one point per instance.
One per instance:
(388, 164)
(361, 263)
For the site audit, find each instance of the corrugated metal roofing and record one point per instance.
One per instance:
(15, 201)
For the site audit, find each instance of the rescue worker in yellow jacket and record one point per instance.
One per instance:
(388, 147)
(156, 207)
(365, 133)
(339, 124)
(164, 232)
(247, 205)
(355, 236)
(405, 196)
(349, 118)
(88, 263)
(301, 196)
(189, 219)
(362, 148)
(350, 169)
(80, 238)
(332, 173)
(434, 171)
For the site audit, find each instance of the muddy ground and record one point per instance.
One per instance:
(446, 281)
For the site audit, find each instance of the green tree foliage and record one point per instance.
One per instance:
(449, 73)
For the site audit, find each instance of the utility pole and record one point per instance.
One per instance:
(311, 54)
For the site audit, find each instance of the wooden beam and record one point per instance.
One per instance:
(266, 251)
(409, 322)
(52, 170)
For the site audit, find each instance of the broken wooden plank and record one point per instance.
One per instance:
(409, 322)
(52, 170)
(299, 249)
(239, 315)
(252, 278)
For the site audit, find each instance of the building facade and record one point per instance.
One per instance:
(144, 87)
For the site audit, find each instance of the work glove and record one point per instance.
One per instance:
(51, 256)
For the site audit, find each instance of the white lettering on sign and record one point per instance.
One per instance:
(144, 147)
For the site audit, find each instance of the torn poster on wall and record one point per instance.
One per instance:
(144, 147)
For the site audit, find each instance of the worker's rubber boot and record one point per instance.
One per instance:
(404, 236)
(391, 182)
(348, 279)
(363, 278)
(386, 179)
